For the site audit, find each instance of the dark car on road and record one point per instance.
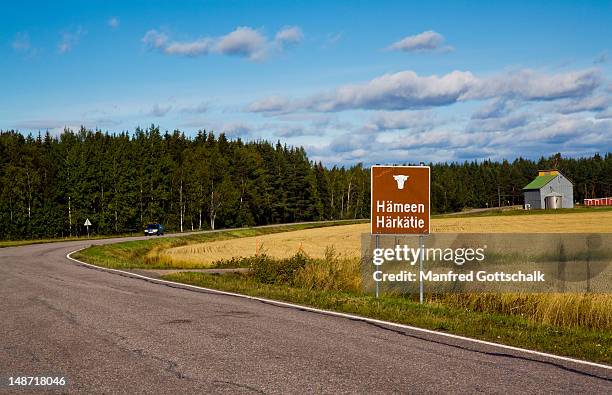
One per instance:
(154, 230)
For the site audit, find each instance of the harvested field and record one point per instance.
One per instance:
(583, 222)
(346, 239)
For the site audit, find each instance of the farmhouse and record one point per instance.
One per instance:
(549, 190)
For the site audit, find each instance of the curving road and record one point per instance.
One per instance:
(110, 333)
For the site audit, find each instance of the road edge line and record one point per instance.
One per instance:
(342, 315)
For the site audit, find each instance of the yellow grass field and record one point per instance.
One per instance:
(346, 239)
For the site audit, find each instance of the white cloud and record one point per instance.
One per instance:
(70, 39)
(57, 126)
(158, 40)
(601, 58)
(113, 22)
(316, 119)
(503, 130)
(524, 112)
(195, 123)
(332, 39)
(527, 134)
(565, 130)
(41, 124)
(289, 35)
(196, 109)
(495, 108)
(426, 41)
(237, 130)
(21, 42)
(155, 39)
(244, 42)
(270, 104)
(105, 122)
(407, 90)
(604, 114)
(534, 134)
(403, 90)
(414, 121)
(531, 85)
(193, 48)
(289, 130)
(500, 123)
(350, 143)
(159, 111)
(592, 103)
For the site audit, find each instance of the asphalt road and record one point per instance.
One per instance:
(111, 333)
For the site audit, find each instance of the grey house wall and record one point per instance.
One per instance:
(560, 185)
(532, 198)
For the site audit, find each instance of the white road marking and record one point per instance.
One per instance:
(344, 315)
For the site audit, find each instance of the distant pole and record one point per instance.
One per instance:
(377, 246)
(69, 218)
(498, 197)
(87, 225)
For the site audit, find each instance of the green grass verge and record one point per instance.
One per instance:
(587, 344)
(493, 213)
(141, 254)
(17, 243)
(509, 213)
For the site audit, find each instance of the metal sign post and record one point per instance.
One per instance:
(421, 285)
(422, 247)
(87, 224)
(400, 199)
(377, 246)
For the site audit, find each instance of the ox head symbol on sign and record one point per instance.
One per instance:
(400, 179)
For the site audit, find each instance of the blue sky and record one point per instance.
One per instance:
(372, 82)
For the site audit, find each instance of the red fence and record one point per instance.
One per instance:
(598, 202)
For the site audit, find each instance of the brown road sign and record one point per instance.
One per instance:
(400, 199)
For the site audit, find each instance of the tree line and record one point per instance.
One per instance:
(456, 186)
(51, 184)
